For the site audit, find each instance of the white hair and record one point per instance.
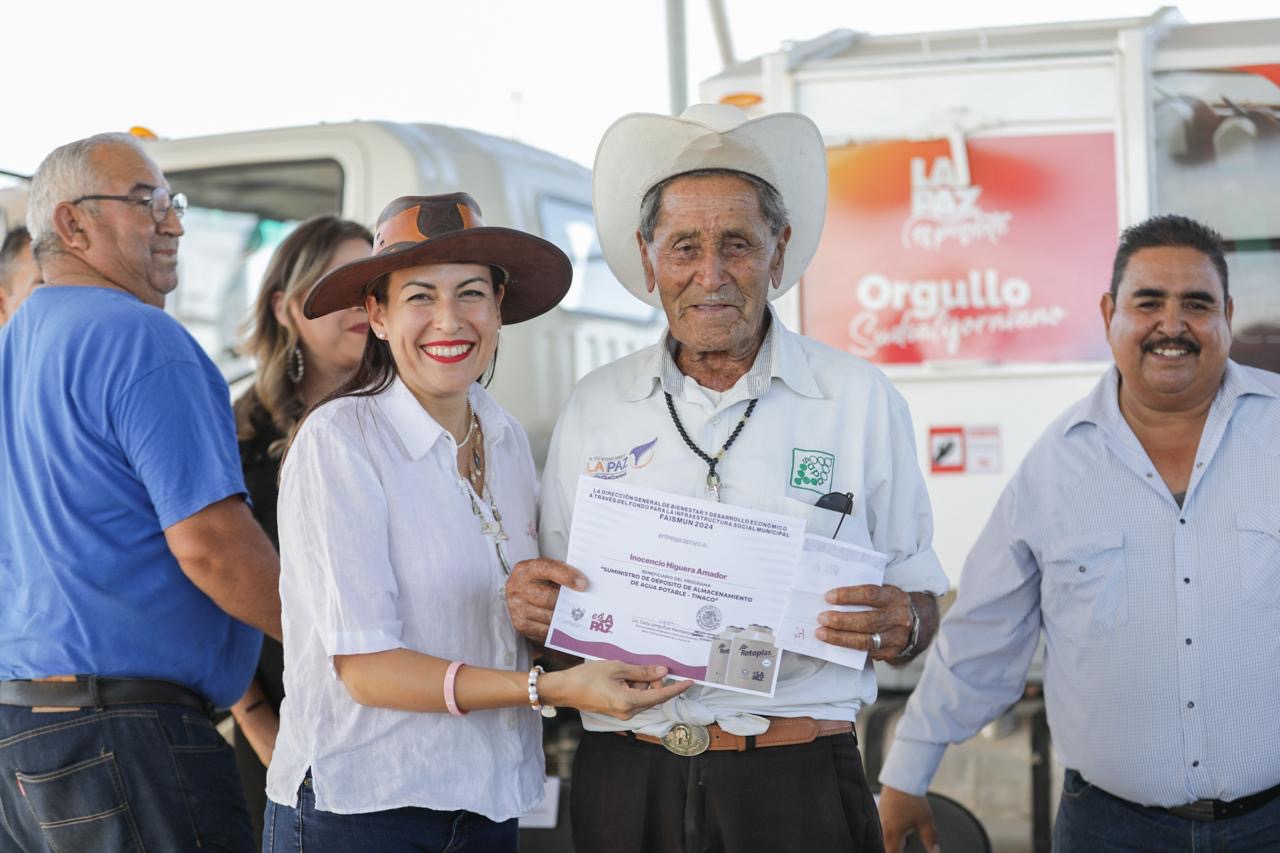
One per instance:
(65, 174)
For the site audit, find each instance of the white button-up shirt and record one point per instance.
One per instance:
(825, 422)
(380, 549)
(1161, 623)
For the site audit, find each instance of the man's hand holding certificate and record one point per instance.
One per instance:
(826, 564)
(712, 591)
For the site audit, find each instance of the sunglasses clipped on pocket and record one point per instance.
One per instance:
(841, 502)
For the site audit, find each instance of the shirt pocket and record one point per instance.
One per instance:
(1258, 547)
(1084, 591)
(823, 523)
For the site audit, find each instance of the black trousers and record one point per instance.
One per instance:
(628, 796)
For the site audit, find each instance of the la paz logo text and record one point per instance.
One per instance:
(613, 467)
(942, 209)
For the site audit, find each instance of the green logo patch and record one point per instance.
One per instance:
(811, 470)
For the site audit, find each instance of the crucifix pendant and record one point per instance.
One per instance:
(713, 485)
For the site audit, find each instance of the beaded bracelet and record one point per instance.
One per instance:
(534, 701)
(450, 675)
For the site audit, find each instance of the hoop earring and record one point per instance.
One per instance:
(296, 366)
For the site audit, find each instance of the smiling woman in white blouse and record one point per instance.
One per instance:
(410, 718)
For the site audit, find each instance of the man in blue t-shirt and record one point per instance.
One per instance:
(134, 582)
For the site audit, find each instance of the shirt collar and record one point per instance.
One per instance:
(1102, 407)
(418, 431)
(1239, 382)
(780, 356)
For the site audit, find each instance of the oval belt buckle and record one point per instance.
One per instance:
(687, 739)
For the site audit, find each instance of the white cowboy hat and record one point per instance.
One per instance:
(642, 149)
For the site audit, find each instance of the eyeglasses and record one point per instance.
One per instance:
(159, 203)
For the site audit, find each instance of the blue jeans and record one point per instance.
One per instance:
(293, 830)
(1091, 820)
(125, 777)
(290, 830)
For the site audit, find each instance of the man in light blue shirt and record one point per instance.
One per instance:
(1142, 533)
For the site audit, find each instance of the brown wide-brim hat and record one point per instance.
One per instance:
(428, 229)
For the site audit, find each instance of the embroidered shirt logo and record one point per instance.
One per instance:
(613, 467)
(811, 470)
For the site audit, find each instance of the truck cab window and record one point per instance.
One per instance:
(572, 227)
(239, 214)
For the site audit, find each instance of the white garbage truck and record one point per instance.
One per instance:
(248, 190)
(978, 183)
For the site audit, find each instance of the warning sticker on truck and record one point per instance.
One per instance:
(965, 450)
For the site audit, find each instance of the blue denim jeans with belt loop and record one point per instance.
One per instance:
(293, 830)
(124, 777)
(1091, 820)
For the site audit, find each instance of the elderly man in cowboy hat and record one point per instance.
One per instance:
(710, 216)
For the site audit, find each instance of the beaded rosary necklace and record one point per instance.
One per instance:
(713, 479)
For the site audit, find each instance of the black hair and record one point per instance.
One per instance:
(14, 242)
(1170, 231)
(377, 369)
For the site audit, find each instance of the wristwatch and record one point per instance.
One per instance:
(910, 647)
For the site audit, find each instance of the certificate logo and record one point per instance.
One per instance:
(578, 613)
(709, 618)
(613, 467)
(602, 622)
(811, 470)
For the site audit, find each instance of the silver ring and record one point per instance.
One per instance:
(876, 642)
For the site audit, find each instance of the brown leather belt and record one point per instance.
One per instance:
(689, 739)
(73, 692)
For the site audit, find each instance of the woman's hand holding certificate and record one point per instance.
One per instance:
(694, 585)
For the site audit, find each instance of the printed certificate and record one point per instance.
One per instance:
(697, 586)
(824, 565)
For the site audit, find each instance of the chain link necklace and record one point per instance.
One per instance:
(713, 479)
(472, 423)
(480, 485)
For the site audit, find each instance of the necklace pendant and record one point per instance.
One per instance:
(713, 485)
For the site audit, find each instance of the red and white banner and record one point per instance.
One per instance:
(919, 262)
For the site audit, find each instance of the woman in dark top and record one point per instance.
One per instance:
(300, 361)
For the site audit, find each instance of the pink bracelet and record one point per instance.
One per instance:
(449, 676)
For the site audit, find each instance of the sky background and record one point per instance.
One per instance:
(554, 73)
